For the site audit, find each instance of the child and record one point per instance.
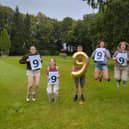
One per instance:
(79, 81)
(33, 62)
(101, 56)
(121, 57)
(53, 81)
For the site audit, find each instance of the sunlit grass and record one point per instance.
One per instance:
(106, 106)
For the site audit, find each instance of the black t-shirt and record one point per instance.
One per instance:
(25, 57)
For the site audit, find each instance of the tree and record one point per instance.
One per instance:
(114, 24)
(27, 35)
(100, 4)
(5, 17)
(44, 34)
(81, 36)
(5, 42)
(17, 33)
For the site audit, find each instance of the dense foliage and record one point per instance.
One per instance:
(110, 23)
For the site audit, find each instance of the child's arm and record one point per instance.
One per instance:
(93, 54)
(23, 60)
(114, 56)
(128, 57)
(47, 73)
(107, 53)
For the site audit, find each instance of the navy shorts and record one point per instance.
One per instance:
(79, 80)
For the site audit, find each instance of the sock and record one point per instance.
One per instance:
(55, 97)
(28, 95)
(82, 96)
(49, 97)
(34, 94)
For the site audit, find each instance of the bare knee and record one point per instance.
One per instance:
(29, 86)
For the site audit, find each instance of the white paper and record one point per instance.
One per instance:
(122, 59)
(35, 62)
(53, 77)
(99, 55)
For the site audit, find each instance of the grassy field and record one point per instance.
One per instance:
(106, 106)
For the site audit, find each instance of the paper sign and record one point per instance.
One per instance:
(35, 62)
(99, 55)
(53, 77)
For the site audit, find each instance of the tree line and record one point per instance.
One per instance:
(110, 23)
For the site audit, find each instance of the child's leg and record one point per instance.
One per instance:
(29, 86)
(37, 80)
(106, 75)
(76, 81)
(124, 75)
(97, 73)
(82, 85)
(117, 76)
(49, 92)
(55, 90)
(100, 76)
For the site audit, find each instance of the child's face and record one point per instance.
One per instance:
(79, 49)
(123, 46)
(52, 62)
(102, 44)
(33, 50)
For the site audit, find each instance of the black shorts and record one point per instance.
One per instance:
(79, 80)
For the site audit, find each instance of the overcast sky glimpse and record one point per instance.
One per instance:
(52, 8)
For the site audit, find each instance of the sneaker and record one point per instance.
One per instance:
(27, 99)
(75, 98)
(33, 96)
(33, 99)
(52, 99)
(82, 98)
(109, 80)
(100, 79)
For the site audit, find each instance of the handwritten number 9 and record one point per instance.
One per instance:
(99, 55)
(121, 60)
(35, 63)
(53, 78)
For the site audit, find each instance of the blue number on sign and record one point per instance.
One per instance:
(36, 63)
(53, 78)
(121, 60)
(99, 55)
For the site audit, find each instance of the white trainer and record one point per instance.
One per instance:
(33, 99)
(27, 99)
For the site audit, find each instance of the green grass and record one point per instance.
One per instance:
(106, 107)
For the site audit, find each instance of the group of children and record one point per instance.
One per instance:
(121, 57)
(33, 76)
(100, 56)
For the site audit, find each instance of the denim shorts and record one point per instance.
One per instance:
(101, 67)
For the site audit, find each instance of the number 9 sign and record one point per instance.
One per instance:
(99, 55)
(53, 77)
(121, 59)
(35, 62)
